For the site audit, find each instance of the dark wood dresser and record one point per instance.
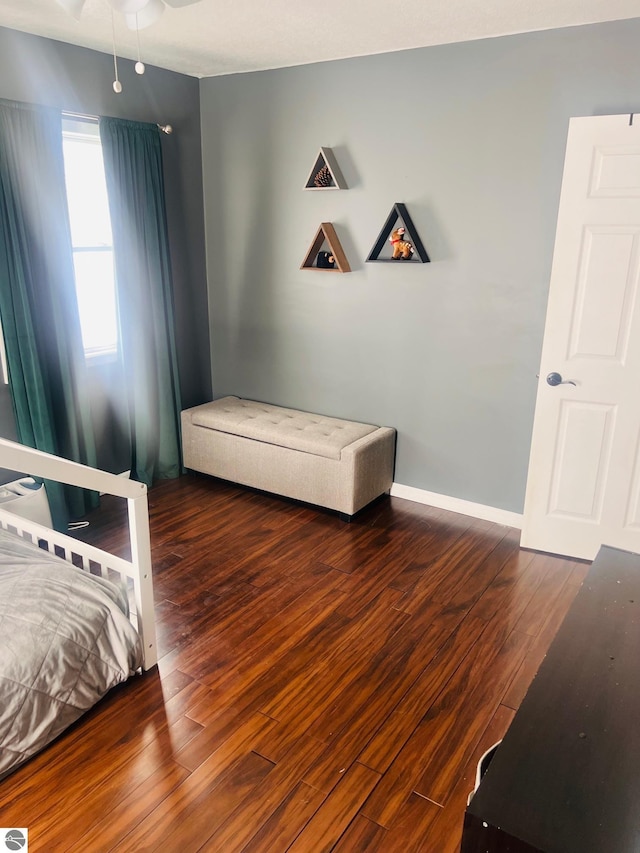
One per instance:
(566, 777)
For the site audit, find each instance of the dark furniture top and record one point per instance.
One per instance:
(566, 778)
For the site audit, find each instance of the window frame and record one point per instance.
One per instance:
(72, 129)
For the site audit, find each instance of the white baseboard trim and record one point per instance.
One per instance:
(486, 513)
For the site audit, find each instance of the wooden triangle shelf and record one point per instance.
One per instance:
(326, 235)
(325, 174)
(399, 213)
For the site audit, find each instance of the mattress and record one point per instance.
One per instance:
(65, 641)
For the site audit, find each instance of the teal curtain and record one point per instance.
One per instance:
(135, 185)
(38, 304)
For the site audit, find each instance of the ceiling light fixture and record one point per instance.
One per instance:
(138, 15)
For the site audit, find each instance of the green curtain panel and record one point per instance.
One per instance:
(135, 185)
(38, 306)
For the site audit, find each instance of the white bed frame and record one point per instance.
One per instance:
(19, 458)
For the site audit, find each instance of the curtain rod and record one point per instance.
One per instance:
(165, 128)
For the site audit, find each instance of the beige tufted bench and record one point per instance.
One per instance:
(338, 464)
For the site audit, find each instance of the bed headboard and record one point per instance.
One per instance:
(19, 458)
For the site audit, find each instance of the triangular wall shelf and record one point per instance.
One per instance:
(399, 212)
(326, 174)
(326, 234)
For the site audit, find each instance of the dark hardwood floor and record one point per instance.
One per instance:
(322, 686)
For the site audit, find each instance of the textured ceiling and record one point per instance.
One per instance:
(212, 37)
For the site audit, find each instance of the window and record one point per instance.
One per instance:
(91, 237)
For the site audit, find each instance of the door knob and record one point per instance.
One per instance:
(556, 379)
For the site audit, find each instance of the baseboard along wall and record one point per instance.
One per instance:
(486, 513)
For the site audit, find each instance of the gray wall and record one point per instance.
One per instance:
(79, 80)
(471, 138)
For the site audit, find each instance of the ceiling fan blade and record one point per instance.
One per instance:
(73, 7)
(178, 3)
(147, 16)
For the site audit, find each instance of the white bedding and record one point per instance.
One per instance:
(65, 640)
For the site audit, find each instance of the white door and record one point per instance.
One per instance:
(583, 487)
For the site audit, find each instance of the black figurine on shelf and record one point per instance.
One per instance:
(325, 261)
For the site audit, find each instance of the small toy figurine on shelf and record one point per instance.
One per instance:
(402, 249)
(325, 261)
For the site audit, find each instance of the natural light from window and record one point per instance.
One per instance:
(91, 237)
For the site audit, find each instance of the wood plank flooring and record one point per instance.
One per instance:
(322, 686)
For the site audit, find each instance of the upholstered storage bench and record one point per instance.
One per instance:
(341, 465)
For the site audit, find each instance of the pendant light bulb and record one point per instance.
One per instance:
(139, 66)
(117, 87)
